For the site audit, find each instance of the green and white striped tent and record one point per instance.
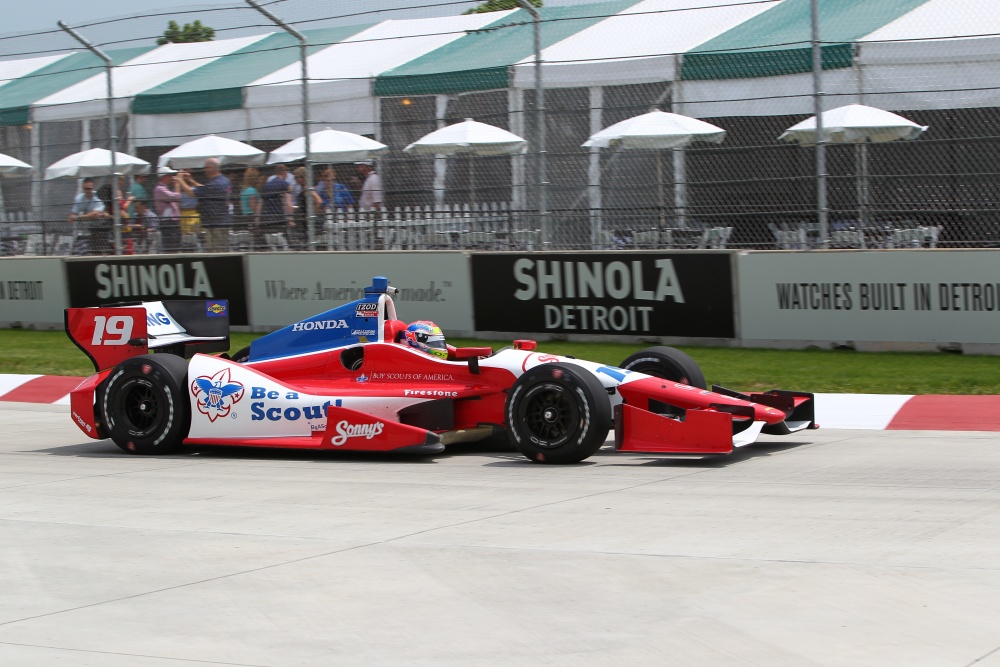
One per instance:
(639, 44)
(87, 98)
(731, 59)
(30, 81)
(717, 58)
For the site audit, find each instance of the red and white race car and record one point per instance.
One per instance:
(356, 378)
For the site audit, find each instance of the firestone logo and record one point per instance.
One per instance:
(347, 430)
(216, 394)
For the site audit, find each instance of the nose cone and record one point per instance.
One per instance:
(769, 415)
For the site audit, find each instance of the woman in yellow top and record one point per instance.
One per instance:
(190, 223)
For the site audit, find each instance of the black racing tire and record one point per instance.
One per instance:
(241, 356)
(667, 363)
(558, 413)
(145, 404)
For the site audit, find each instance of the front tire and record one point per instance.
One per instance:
(558, 413)
(667, 363)
(145, 404)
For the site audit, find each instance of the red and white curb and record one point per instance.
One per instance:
(904, 412)
(898, 412)
(37, 388)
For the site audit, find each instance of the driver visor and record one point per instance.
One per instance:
(436, 341)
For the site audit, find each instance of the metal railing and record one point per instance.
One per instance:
(494, 226)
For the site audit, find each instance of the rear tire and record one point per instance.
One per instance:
(145, 404)
(667, 363)
(558, 413)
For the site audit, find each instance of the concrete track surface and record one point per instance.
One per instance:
(832, 547)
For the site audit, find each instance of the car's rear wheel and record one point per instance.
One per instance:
(145, 404)
(667, 363)
(558, 413)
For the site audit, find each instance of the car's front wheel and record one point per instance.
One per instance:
(145, 404)
(667, 363)
(558, 413)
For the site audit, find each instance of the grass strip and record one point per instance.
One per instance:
(828, 371)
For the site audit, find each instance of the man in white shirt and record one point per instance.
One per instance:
(88, 210)
(371, 189)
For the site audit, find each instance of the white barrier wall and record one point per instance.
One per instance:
(903, 299)
(32, 293)
(923, 298)
(283, 288)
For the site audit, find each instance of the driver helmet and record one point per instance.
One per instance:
(426, 337)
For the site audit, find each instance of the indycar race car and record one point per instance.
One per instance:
(357, 378)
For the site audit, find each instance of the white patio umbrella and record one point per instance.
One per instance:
(95, 162)
(471, 138)
(328, 146)
(856, 124)
(659, 130)
(13, 167)
(655, 130)
(192, 155)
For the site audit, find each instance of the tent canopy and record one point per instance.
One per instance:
(15, 69)
(778, 41)
(170, 61)
(657, 31)
(372, 51)
(218, 85)
(248, 87)
(19, 94)
(482, 60)
(340, 76)
(915, 61)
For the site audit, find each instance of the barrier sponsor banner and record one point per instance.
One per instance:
(32, 291)
(285, 288)
(919, 296)
(94, 282)
(638, 293)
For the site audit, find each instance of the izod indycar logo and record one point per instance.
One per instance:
(319, 324)
(366, 310)
(216, 394)
(346, 430)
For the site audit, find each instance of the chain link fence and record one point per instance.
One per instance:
(396, 73)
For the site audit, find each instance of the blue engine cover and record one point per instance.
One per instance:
(341, 326)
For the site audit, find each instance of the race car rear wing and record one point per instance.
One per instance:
(111, 334)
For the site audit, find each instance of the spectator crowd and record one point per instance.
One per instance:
(188, 212)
